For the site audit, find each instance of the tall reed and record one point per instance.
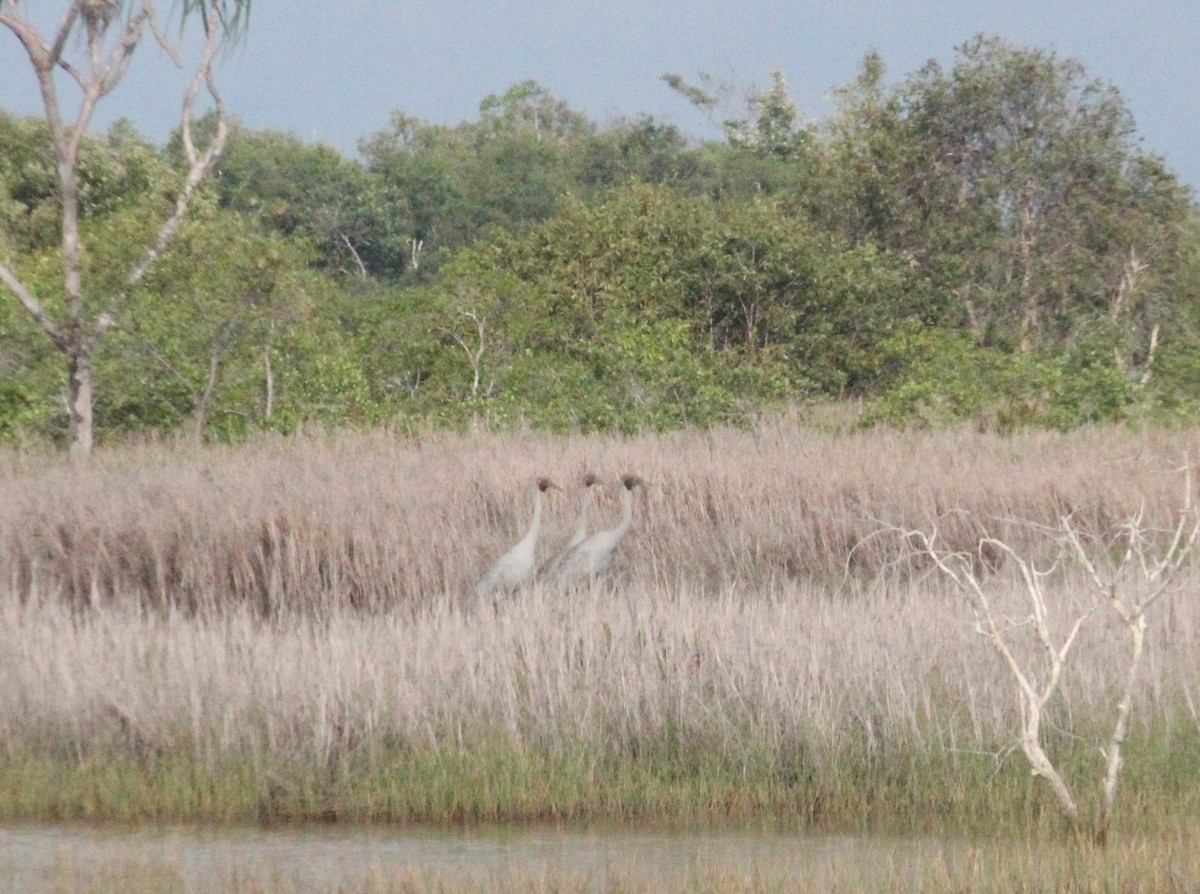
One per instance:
(280, 630)
(842, 707)
(383, 523)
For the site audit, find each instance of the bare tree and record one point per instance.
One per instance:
(1037, 681)
(1129, 572)
(1139, 576)
(1120, 313)
(467, 305)
(473, 352)
(110, 30)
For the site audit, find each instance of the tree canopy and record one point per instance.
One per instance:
(983, 242)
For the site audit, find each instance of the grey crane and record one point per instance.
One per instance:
(593, 556)
(554, 565)
(515, 568)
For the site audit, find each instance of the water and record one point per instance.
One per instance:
(189, 858)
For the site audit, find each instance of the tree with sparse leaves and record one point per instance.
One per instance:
(75, 319)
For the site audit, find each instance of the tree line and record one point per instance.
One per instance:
(983, 242)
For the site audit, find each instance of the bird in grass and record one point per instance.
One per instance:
(593, 556)
(553, 566)
(515, 568)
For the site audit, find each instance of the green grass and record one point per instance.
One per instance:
(667, 780)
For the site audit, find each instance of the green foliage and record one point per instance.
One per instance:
(772, 129)
(638, 150)
(445, 186)
(1016, 182)
(30, 380)
(649, 309)
(112, 172)
(1174, 384)
(934, 377)
(982, 243)
(929, 378)
(21, 413)
(195, 340)
(319, 380)
(293, 188)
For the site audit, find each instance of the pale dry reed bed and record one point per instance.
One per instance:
(838, 709)
(280, 630)
(383, 523)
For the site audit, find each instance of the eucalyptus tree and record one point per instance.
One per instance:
(641, 149)
(107, 33)
(312, 191)
(1018, 184)
(448, 185)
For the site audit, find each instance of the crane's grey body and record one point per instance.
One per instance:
(593, 556)
(515, 568)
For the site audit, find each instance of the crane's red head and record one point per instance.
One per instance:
(630, 481)
(589, 479)
(545, 484)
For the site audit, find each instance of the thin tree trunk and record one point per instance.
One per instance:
(1137, 630)
(270, 384)
(79, 397)
(1031, 318)
(1040, 763)
(200, 414)
(75, 335)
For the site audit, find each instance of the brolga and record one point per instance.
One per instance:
(593, 556)
(554, 565)
(515, 568)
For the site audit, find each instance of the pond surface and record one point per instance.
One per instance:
(321, 858)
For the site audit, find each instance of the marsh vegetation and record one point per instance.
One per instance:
(282, 632)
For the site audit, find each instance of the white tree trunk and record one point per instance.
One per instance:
(79, 398)
(111, 33)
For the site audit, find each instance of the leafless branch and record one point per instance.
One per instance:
(992, 624)
(474, 352)
(200, 162)
(32, 305)
(362, 268)
(54, 56)
(1130, 599)
(1130, 579)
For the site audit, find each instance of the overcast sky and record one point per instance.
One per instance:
(335, 71)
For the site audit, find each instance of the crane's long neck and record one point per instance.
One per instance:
(535, 526)
(581, 527)
(626, 512)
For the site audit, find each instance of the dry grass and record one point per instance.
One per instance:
(381, 523)
(763, 646)
(722, 703)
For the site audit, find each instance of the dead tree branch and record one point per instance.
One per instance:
(1130, 573)
(992, 625)
(1131, 585)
